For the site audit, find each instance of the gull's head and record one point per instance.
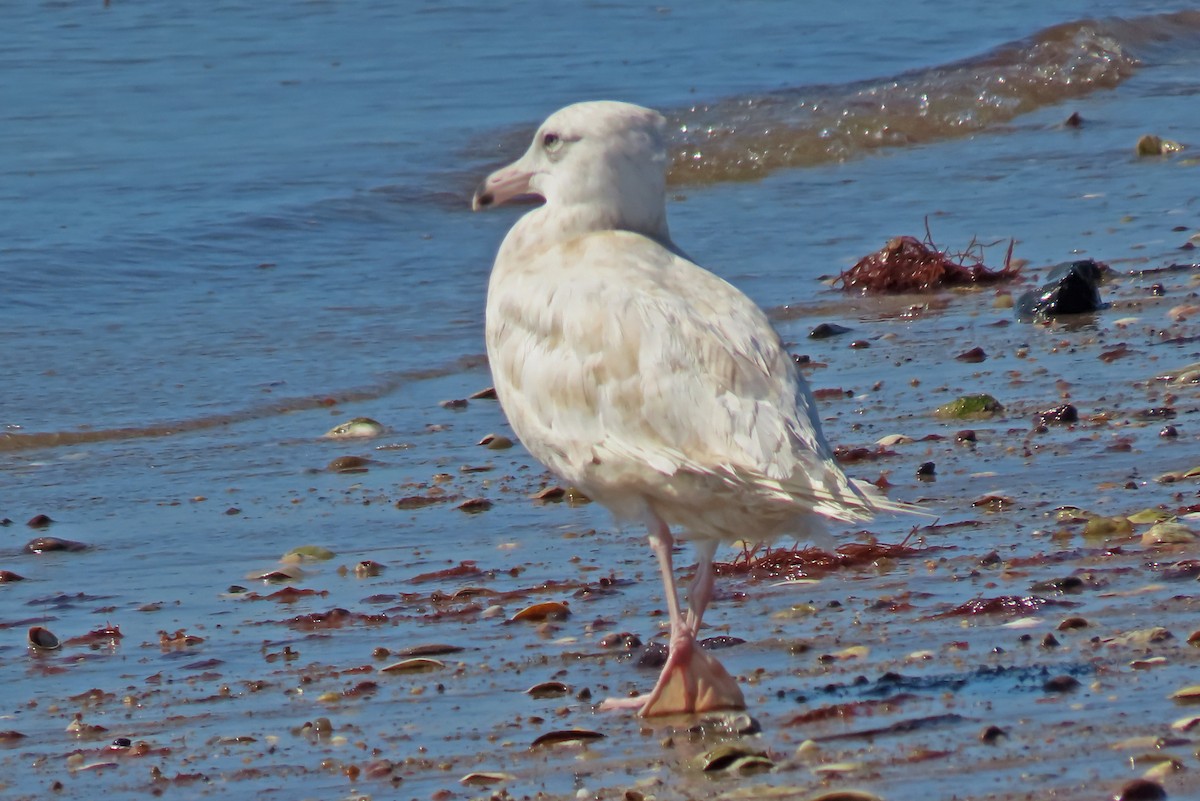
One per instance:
(606, 156)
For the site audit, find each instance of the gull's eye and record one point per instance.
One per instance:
(552, 142)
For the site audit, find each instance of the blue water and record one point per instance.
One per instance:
(154, 160)
(226, 227)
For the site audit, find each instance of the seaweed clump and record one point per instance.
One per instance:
(907, 264)
(764, 562)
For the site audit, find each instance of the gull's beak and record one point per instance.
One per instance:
(502, 186)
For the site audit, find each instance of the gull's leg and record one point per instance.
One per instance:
(691, 680)
(701, 591)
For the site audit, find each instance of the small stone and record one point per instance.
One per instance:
(51, 544)
(39, 521)
(1141, 790)
(1059, 415)
(1072, 623)
(992, 734)
(1168, 533)
(972, 356)
(826, 330)
(1169, 432)
(1049, 641)
(1061, 684)
(966, 435)
(348, 464)
(1151, 145)
(927, 469)
(496, 442)
(969, 407)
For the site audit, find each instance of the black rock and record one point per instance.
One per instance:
(1141, 790)
(653, 656)
(826, 330)
(1073, 288)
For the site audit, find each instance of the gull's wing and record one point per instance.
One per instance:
(621, 363)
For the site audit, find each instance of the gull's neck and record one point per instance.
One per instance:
(558, 222)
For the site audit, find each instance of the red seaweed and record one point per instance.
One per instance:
(906, 264)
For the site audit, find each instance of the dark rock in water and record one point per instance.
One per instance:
(972, 356)
(653, 656)
(716, 643)
(1060, 684)
(1073, 288)
(1142, 790)
(992, 734)
(1061, 415)
(826, 330)
(49, 544)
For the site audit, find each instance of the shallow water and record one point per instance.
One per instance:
(226, 231)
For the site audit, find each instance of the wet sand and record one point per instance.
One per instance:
(874, 677)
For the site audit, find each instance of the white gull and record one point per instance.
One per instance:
(652, 385)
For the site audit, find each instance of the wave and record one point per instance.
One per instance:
(747, 137)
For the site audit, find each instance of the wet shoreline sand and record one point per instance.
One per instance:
(870, 663)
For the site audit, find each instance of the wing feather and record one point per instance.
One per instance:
(624, 366)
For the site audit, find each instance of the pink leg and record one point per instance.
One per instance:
(691, 680)
(701, 591)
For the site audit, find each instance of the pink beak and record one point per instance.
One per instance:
(502, 186)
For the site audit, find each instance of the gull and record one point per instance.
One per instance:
(651, 384)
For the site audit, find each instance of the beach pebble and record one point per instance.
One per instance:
(1153, 145)
(1140, 638)
(992, 734)
(972, 356)
(1141, 790)
(1168, 533)
(734, 758)
(348, 464)
(826, 330)
(52, 544)
(358, 428)
(969, 407)
(475, 505)
(892, 440)
(42, 639)
(1059, 415)
(496, 442)
(547, 610)
(565, 737)
(486, 778)
(1060, 684)
(548, 689)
